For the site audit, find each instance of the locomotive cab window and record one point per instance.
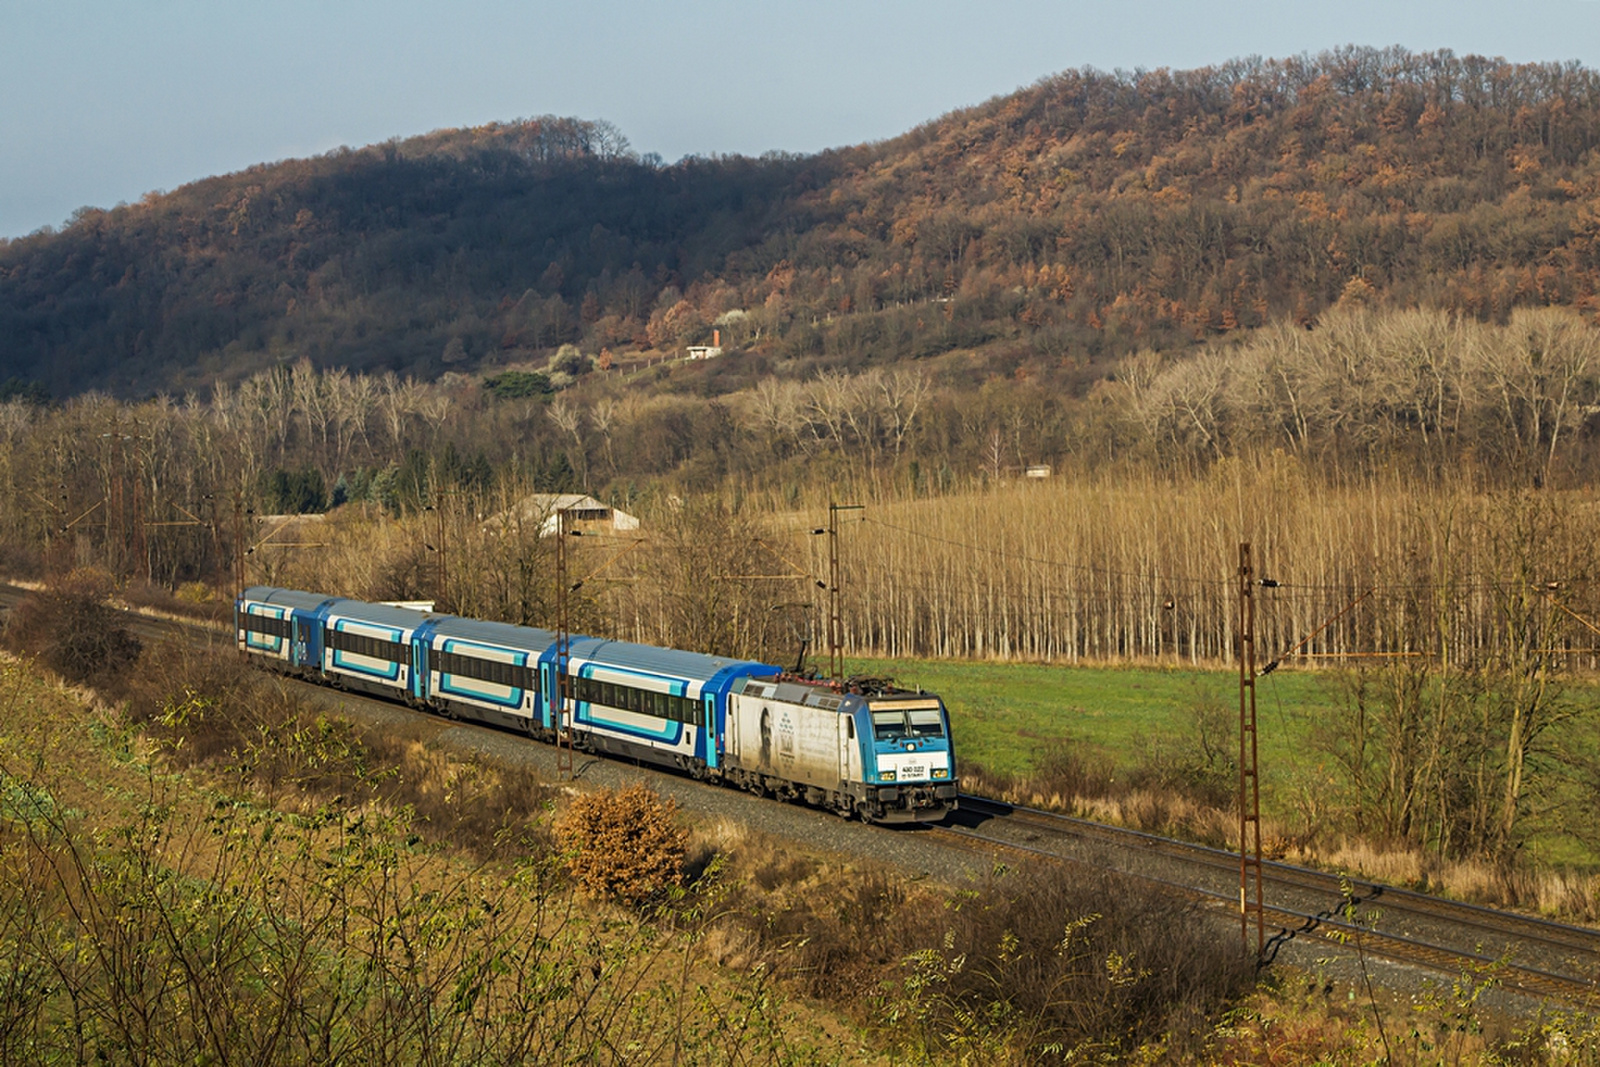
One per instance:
(925, 723)
(888, 725)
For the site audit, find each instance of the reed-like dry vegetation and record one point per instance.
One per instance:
(1145, 568)
(1121, 567)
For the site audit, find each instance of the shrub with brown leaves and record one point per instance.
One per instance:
(624, 844)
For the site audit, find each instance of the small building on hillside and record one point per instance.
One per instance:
(710, 351)
(583, 513)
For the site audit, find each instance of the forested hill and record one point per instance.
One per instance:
(1086, 216)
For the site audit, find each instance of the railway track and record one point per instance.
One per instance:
(1521, 953)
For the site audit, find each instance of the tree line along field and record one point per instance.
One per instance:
(1456, 629)
(1368, 393)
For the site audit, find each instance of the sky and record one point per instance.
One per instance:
(102, 101)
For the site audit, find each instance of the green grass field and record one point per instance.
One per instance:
(1005, 715)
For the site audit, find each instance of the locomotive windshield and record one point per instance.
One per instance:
(888, 725)
(900, 723)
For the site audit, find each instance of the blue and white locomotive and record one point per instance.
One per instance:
(882, 754)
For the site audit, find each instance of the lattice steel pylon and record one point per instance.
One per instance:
(1250, 879)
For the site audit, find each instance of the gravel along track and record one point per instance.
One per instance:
(1307, 911)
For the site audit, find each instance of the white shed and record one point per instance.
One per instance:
(583, 513)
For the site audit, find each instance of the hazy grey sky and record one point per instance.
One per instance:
(104, 100)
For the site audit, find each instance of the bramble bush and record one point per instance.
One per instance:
(69, 626)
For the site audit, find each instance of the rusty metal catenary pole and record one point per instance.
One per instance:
(444, 566)
(835, 623)
(238, 543)
(563, 725)
(1250, 897)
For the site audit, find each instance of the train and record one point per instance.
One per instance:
(860, 748)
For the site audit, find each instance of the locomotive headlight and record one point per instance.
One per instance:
(940, 772)
(887, 776)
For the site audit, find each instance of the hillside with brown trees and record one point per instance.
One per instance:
(1049, 232)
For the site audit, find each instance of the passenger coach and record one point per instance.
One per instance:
(867, 749)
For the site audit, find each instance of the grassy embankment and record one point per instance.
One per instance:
(160, 905)
(210, 864)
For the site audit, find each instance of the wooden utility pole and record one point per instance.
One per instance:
(1250, 897)
(835, 623)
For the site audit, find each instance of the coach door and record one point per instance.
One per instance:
(299, 629)
(708, 728)
(547, 686)
(419, 668)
